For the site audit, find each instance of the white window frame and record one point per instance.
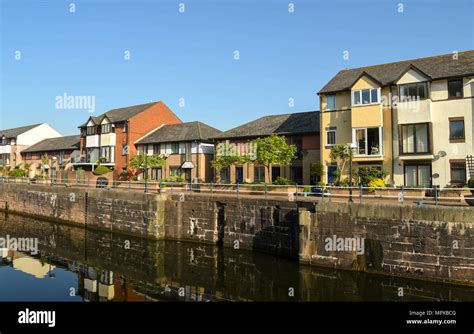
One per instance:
(381, 150)
(370, 97)
(335, 102)
(331, 130)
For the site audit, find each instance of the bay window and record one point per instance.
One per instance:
(107, 154)
(368, 141)
(414, 91)
(414, 138)
(366, 96)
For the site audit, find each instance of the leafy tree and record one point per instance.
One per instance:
(273, 150)
(225, 161)
(340, 154)
(315, 172)
(139, 161)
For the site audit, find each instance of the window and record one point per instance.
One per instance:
(125, 127)
(458, 171)
(4, 141)
(275, 173)
(156, 149)
(83, 132)
(456, 129)
(92, 155)
(156, 173)
(175, 171)
(418, 176)
(296, 174)
(239, 174)
(331, 137)
(174, 148)
(28, 156)
(91, 130)
(106, 154)
(224, 175)
(415, 138)
(331, 173)
(330, 102)
(366, 96)
(106, 128)
(368, 141)
(455, 89)
(259, 174)
(413, 91)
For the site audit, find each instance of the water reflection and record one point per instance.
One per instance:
(74, 264)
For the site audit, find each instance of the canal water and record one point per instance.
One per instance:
(74, 264)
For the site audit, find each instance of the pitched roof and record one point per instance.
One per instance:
(121, 114)
(436, 67)
(180, 132)
(295, 123)
(13, 133)
(55, 144)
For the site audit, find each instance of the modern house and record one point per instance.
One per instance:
(300, 129)
(60, 153)
(412, 118)
(109, 139)
(13, 141)
(185, 146)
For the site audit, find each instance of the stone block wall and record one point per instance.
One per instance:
(415, 241)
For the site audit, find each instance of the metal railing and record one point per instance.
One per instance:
(359, 194)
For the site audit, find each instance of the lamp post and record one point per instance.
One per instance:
(351, 147)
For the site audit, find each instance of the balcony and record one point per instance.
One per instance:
(92, 141)
(107, 139)
(5, 149)
(417, 111)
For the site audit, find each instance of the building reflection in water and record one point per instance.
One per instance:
(176, 271)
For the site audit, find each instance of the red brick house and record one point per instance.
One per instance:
(109, 138)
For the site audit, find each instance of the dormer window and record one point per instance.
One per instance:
(413, 91)
(106, 128)
(365, 96)
(91, 130)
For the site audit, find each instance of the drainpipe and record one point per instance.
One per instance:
(394, 128)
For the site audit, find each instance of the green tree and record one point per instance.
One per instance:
(139, 161)
(316, 171)
(272, 150)
(340, 155)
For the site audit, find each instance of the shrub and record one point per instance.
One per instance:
(174, 178)
(17, 173)
(376, 183)
(470, 183)
(343, 183)
(283, 181)
(366, 174)
(101, 170)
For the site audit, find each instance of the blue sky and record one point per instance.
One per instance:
(190, 55)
